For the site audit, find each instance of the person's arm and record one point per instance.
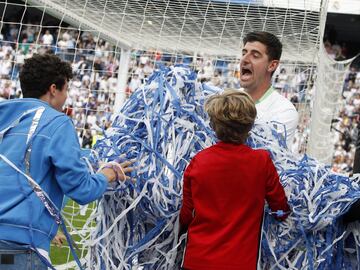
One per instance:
(353, 214)
(71, 173)
(275, 194)
(187, 207)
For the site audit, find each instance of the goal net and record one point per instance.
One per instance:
(114, 46)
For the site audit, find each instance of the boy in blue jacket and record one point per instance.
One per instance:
(40, 161)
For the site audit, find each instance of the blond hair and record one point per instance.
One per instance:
(232, 115)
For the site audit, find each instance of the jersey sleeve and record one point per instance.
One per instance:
(289, 118)
(274, 193)
(187, 208)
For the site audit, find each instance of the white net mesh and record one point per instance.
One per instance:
(325, 108)
(211, 27)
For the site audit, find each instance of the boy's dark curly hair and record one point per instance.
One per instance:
(42, 70)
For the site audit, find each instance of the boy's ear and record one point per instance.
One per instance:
(52, 89)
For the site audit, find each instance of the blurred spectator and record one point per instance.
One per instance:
(47, 38)
(5, 66)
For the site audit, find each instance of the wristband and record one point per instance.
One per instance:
(280, 213)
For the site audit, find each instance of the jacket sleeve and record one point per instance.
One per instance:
(275, 194)
(70, 171)
(187, 208)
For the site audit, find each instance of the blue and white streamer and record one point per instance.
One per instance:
(313, 236)
(162, 126)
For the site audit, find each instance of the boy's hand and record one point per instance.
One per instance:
(117, 171)
(59, 239)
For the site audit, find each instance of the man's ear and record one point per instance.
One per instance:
(52, 89)
(273, 65)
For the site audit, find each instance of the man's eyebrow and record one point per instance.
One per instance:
(252, 51)
(255, 51)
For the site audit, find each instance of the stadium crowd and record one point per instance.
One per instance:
(96, 65)
(346, 123)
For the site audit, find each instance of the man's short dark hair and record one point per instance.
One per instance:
(41, 71)
(272, 43)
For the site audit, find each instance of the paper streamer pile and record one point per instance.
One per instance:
(162, 126)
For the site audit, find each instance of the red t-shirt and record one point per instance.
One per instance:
(224, 193)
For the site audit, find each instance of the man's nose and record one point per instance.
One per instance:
(245, 58)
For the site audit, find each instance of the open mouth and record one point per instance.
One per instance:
(246, 73)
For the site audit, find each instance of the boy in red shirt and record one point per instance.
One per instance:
(225, 188)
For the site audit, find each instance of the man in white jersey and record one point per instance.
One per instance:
(260, 58)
